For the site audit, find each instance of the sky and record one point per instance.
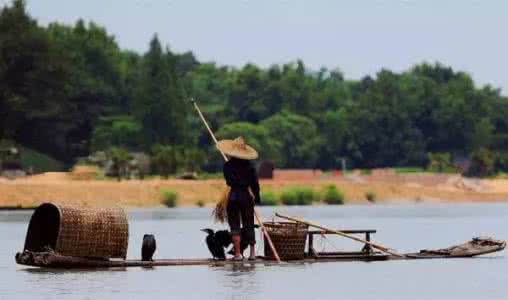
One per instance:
(358, 36)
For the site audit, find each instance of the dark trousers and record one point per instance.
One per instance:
(241, 215)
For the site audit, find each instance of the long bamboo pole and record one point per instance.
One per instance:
(256, 214)
(377, 246)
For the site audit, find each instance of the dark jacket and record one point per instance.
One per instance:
(240, 175)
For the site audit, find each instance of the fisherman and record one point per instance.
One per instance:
(242, 178)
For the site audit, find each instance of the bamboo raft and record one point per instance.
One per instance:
(72, 238)
(475, 247)
(51, 259)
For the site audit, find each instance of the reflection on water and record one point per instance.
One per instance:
(405, 228)
(70, 271)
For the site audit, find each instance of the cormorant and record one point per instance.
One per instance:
(216, 242)
(148, 247)
(223, 237)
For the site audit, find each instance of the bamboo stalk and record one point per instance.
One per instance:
(374, 245)
(256, 214)
(208, 127)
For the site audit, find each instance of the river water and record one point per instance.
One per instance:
(402, 227)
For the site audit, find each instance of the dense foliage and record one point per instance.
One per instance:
(67, 91)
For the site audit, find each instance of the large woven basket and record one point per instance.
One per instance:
(288, 239)
(78, 231)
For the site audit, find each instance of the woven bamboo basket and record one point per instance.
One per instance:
(288, 238)
(78, 231)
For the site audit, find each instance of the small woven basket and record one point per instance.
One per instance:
(288, 239)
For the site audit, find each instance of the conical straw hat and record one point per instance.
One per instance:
(237, 148)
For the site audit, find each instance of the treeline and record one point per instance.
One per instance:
(69, 91)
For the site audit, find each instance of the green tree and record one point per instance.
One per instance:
(120, 159)
(481, 136)
(255, 135)
(159, 101)
(194, 159)
(297, 138)
(334, 128)
(382, 132)
(482, 163)
(118, 130)
(246, 97)
(296, 88)
(501, 161)
(440, 162)
(166, 159)
(94, 86)
(33, 83)
(67, 89)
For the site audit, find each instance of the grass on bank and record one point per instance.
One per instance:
(406, 170)
(298, 196)
(205, 175)
(169, 198)
(269, 198)
(332, 195)
(303, 196)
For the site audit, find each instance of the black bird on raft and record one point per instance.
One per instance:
(148, 247)
(223, 237)
(216, 242)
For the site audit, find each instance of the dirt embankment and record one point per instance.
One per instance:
(63, 187)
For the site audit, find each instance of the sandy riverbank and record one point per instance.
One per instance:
(60, 187)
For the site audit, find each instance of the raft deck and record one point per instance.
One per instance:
(475, 247)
